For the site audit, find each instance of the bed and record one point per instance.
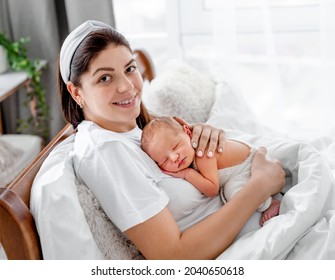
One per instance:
(305, 228)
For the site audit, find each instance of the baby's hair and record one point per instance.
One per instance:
(157, 123)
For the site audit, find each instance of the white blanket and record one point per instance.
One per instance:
(305, 228)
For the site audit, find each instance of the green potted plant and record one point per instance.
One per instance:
(36, 96)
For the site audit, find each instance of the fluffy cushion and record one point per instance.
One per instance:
(111, 241)
(182, 91)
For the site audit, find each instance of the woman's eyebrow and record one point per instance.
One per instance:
(103, 69)
(111, 68)
(130, 62)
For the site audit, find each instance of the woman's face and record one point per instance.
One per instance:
(111, 89)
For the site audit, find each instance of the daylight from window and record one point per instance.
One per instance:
(279, 52)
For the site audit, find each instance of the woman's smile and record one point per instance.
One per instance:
(126, 103)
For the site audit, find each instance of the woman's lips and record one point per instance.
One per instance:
(127, 102)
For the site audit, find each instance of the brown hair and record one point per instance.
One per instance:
(92, 45)
(151, 127)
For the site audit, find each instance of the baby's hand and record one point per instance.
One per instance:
(179, 174)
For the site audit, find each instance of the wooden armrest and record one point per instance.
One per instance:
(18, 234)
(18, 224)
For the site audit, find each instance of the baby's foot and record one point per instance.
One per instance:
(272, 211)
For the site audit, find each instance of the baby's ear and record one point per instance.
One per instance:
(187, 130)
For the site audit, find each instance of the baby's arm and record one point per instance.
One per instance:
(207, 181)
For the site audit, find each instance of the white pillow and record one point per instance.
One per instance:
(230, 111)
(60, 220)
(182, 91)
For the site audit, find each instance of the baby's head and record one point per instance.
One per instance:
(168, 143)
(156, 125)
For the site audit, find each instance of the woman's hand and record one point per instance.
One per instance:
(204, 135)
(269, 172)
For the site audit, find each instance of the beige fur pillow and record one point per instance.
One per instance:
(113, 244)
(180, 90)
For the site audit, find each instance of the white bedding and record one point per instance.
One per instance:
(305, 228)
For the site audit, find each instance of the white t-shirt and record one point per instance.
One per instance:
(128, 184)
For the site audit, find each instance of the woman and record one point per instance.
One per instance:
(165, 217)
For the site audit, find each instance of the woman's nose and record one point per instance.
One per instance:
(125, 85)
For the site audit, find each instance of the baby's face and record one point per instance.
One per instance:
(171, 150)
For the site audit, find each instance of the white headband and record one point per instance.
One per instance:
(72, 42)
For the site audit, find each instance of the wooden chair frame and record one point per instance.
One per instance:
(18, 233)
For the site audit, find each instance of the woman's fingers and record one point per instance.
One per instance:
(216, 141)
(222, 140)
(203, 136)
(206, 135)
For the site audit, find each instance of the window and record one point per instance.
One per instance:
(144, 24)
(279, 51)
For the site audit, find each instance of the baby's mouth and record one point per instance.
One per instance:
(181, 162)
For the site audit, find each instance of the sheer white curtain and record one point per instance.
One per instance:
(327, 48)
(282, 55)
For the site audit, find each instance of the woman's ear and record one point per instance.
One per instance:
(187, 130)
(73, 90)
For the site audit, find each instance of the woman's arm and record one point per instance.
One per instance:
(160, 237)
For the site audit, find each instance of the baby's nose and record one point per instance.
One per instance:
(174, 157)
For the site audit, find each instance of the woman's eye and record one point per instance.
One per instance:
(105, 79)
(131, 68)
